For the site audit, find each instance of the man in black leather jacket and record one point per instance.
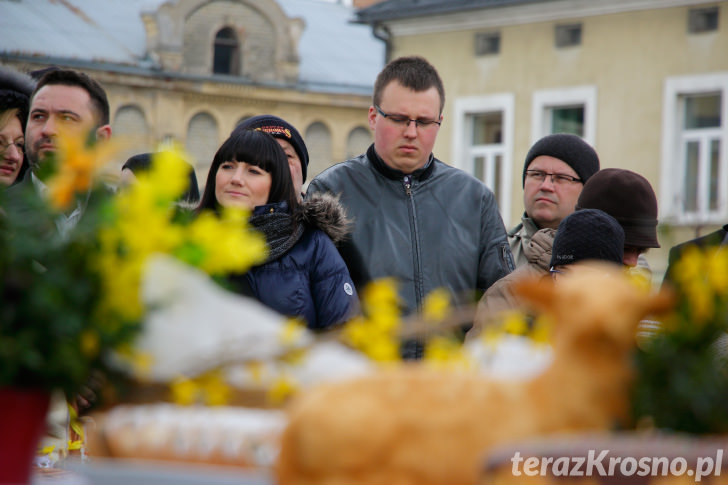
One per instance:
(415, 218)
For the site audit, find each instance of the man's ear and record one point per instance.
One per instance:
(103, 132)
(372, 115)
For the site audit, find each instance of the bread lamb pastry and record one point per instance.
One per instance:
(413, 424)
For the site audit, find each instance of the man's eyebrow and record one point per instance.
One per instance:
(60, 111)
(68, 112)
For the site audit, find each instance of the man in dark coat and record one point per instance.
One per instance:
(717, 238)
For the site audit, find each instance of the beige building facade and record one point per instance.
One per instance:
(202, 66)
(644, 81)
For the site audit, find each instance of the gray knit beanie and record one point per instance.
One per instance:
(571, 149)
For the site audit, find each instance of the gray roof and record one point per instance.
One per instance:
(401, 9)
(333, 50)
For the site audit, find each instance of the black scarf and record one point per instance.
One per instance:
(276, 225)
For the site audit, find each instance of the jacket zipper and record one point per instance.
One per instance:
(407, 182)
(408, 185)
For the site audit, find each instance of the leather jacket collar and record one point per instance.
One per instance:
(394, 174)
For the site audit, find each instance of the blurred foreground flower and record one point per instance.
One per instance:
(376, 332)
(72, 299)
(145, 220)
(682, 380)
(81, 159)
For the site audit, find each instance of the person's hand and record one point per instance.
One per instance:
(88, 395)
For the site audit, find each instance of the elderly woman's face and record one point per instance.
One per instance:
(239, 184)
(11, 150)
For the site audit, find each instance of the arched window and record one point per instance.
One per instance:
(358, 141)
(132, 131)
(202, 142)
(318, 143)
(226, 53)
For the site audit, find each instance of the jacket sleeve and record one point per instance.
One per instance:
(496, 259)
(347, 249)
(496, 300)
(334, 295)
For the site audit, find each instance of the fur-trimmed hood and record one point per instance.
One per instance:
(324, 211)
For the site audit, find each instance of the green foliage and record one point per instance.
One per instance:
(682, 373)
(49, 337)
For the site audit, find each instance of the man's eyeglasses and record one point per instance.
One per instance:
(5, 146)
(556, 178)
(404, 122)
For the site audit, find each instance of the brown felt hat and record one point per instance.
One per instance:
(628, 197)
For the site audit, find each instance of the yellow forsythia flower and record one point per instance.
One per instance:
(184, 391)
(718, 272)
(282, 388)
(255, 369)
(446, 352)
(291, 332)
(215, 390)
(376, 333)
(515, 323)
(541, 333)
(78, 165)
(90, 343)
(144, 224)
(436, 305)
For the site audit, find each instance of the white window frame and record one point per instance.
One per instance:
(674, 138)
(463, 152)
(543, 101)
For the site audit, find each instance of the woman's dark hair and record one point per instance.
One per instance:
(255, 148)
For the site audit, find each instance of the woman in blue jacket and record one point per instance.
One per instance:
(304, 274)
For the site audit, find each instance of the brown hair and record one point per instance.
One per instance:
(68, 77)
(413, 72)
(9, 114)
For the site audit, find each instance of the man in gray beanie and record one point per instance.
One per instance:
(588, 234)
(555, 170)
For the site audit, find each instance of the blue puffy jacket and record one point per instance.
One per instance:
(310, 279)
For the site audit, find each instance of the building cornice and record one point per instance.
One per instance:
(497, 17)
(149, 77)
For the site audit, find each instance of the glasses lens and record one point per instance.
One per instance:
(536, 175)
